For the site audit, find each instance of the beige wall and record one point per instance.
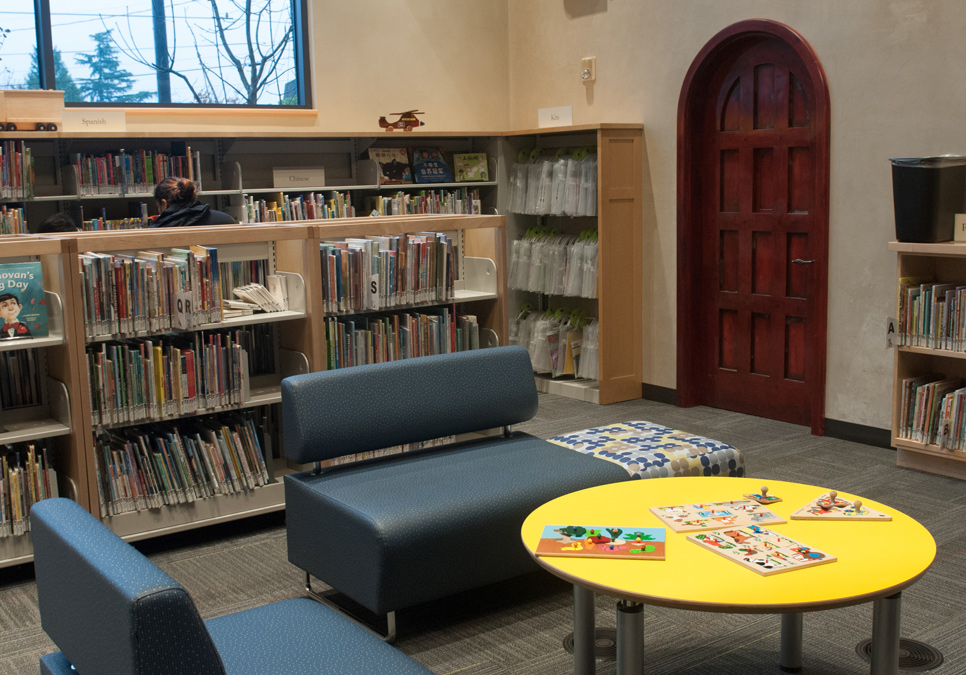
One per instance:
(448, 58)
(893, 69)
(894, 76)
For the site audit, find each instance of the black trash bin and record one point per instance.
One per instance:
(928, 192)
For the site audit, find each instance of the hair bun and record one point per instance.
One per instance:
(186, 190)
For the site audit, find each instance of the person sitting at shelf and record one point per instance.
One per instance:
(179, 208)
(58, 222)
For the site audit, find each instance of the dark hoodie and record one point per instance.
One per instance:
(192, 213)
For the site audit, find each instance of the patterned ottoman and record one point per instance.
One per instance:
(649, 450)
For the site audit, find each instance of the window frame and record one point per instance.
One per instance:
(45, 66)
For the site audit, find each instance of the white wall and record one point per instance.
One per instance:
(894, 75)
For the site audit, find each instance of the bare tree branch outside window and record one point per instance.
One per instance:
(248, 38)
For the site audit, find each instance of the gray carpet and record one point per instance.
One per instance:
(519, 627)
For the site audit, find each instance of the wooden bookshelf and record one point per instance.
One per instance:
(943, 263)
(619, 303)
(56, 418)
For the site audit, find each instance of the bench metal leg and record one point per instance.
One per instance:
(326, 599)
(791, 654)
(584, 632)
(885, 635)
(630, 637)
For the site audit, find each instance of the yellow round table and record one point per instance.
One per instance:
(876, 561)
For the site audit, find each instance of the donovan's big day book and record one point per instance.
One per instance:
(23, 306)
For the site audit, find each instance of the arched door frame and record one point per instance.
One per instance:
(692, 104)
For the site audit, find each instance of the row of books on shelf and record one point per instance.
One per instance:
(152, 291)
(21, 378)
(461, 201)
(379, 272)
(561, 184)
(16, 171)
(932, 411)
(26, 477)
(311, 206)
(403, 335)
(13, 220)
(137, 172)
(427, 164)
(151, 467)
(931, 314)
(555, 264)
(142, 380)
(561, 344)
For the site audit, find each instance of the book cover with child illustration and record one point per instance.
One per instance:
(23, 306)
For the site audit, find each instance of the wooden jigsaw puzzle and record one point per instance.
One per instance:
(602, 542)
(829, 506)
(762, 550)
(716, 515)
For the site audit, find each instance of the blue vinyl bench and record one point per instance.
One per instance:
(111, 610)
(401, 530)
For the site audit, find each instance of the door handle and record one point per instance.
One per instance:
(799, 261)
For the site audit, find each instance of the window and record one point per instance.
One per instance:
(160, 52)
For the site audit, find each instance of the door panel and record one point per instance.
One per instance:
(759, 143)
(753, 175)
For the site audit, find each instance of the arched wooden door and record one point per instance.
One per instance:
(753, 226)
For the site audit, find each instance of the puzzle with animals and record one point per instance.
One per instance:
(763, 550)
(829, 506)
(716, 515)
(645, 543)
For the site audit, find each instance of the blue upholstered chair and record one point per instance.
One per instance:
(111, 610)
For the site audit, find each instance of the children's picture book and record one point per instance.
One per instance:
(644, 543)
(23, 306)
(762, 550)
(716, 515)
(829, 506)
(471, 166)
(429, 166)
(393, 165)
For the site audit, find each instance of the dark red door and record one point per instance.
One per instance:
(760, 215)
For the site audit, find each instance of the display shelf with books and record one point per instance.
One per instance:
(378, 293)
(39, 392)
(929, 381)
(162, 358)
(565, 181)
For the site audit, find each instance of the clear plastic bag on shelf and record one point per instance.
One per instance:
(558, 184)
(539, 345)
(589, 352)
(587, 199)
(588, 286)
(520, 254)
(519, 178)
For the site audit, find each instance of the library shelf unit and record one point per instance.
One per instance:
(55, 414)
(479, 261)
(284, 252)
(943, 263)
(242, 163)
(618, 306)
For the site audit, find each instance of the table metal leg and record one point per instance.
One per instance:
(791, 654)
(584, 632)
(630, 637)
(885, 635)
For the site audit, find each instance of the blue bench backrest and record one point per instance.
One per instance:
(107, 607)
(339, 412)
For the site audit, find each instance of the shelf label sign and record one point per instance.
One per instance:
(892, 336)
(91, 119)
(561, 116)
(960, 230)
